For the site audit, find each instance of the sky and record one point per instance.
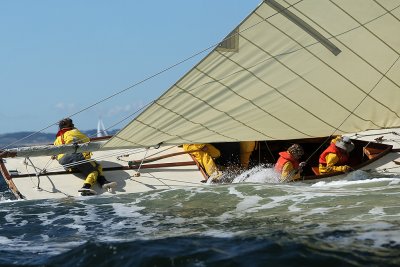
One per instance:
(60, 58)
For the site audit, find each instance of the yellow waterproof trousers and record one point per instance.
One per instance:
(90, 169)
(246, 148)
(205, 155)
(91, 178)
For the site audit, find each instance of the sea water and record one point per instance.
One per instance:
(253, 221)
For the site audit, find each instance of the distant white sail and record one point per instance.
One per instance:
(101, 130)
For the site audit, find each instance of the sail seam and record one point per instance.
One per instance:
(223, 112)
(387, 10)
(269, 85)
(362, 58)
(297, 74)
(180, 115)
(157, 129)
(363, 25)
(347, 79)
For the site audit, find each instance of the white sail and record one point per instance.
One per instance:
(291, 69)
(101, 130)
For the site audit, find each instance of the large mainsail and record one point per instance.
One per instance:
(291, 69)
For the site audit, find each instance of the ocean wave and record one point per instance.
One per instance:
(353, 215)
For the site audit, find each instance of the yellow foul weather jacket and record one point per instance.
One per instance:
(69, 136)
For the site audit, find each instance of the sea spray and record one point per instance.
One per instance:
(258, 174)
(334, 223)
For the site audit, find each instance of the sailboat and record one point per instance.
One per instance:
(291, 72)
(101, 129)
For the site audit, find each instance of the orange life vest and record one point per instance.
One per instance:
(343, 157)
(283, 159)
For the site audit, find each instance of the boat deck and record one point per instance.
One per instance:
(55, 182)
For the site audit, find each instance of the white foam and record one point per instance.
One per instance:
(226, 216)
(123, 210)
(258, 174)
(352, 182)
(294, 208)
(276, 202)
(381, 238)
(5, 240)
(395, 182)
(377, 211)
(381, 234)
(4, 200)
(220, 234)
(248, 203)
(44, 217)
(232, 190)
(321, 211)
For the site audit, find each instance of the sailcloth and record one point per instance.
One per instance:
(290, 70)
(101, 130)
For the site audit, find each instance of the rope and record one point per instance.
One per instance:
(202, 51)
(185, 60)
(138, 170)
(269, 150)
(352, 112)
(37, 174)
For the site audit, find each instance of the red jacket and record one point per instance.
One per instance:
(285, 157)
(343, 157)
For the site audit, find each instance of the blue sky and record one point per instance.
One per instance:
(59, 57)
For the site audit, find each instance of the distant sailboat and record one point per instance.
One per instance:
(101, 130)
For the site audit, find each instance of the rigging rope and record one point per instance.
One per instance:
(202, 51)
(37, 174)
(185, 60)
(352, 112)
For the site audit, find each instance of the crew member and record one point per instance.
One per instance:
(81, 162)
(205, 155)
(335, 158)
(288, 164)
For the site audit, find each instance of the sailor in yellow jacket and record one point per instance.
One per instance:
(93, 171)
(205, 155)
(336, 157)
(289, 165)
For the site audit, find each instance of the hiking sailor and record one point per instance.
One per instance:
(288, 164)
(205, 155)
(336, 156)
(81, 162)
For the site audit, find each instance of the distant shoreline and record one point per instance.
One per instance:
(36, 139)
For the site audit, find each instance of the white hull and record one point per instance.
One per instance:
(286, 73)
(155, 175)
(66, 185)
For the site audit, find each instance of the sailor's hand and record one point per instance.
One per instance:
(302, 164)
